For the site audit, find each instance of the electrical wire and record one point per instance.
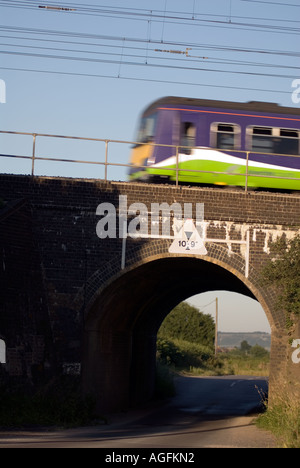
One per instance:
(135, 12)
(191, 58)
(194, 46)
(272, 3)
(149, 80)
(206, 305)
(139, 58)
(143, 64)
(160, 16)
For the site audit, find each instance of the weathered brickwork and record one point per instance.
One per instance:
(67, 305)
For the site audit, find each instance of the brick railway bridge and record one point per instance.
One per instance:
(73, 302)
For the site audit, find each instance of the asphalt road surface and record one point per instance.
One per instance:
(207, 412)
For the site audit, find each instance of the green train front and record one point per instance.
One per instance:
(218, 143)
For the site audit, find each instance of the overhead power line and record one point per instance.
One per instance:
(140, 55)
(214, 20)
(143, 64)
(122, 39)
(149, 80)
(146, 52)
(272, 3)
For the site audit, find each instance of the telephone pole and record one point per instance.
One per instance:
(216, 327)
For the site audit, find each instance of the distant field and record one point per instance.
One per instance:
(231, 340)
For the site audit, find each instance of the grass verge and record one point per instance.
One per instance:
(282, 419)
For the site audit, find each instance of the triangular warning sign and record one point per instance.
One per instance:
(187, 239)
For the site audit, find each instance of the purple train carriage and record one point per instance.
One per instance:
(197, 141)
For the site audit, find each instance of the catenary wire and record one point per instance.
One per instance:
(272, 3)
(126, 62)
(143, 64)
(135, 12)
(239, 88)
(167, 18)
(195, 46)
(192, 58)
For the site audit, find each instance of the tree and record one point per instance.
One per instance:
(245, 347)
(187, 323)
(259, 352)
(283, 271)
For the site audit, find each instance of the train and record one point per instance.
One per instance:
(218, 143)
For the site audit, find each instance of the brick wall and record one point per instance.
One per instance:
(24, 322)
(54, 268)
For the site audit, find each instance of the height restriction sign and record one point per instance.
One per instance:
(187, 239)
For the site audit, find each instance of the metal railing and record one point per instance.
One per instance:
(106, 163)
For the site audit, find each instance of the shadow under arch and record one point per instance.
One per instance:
(119, 349)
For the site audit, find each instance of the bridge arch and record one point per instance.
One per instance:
(126, 311)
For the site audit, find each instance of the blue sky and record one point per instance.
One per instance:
(236, 313)
(90, 72)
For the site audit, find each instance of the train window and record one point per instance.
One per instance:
(274, 140)
(188, 137)
(262, 141)
(288, 143)
(146, 130)
(225, 136)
